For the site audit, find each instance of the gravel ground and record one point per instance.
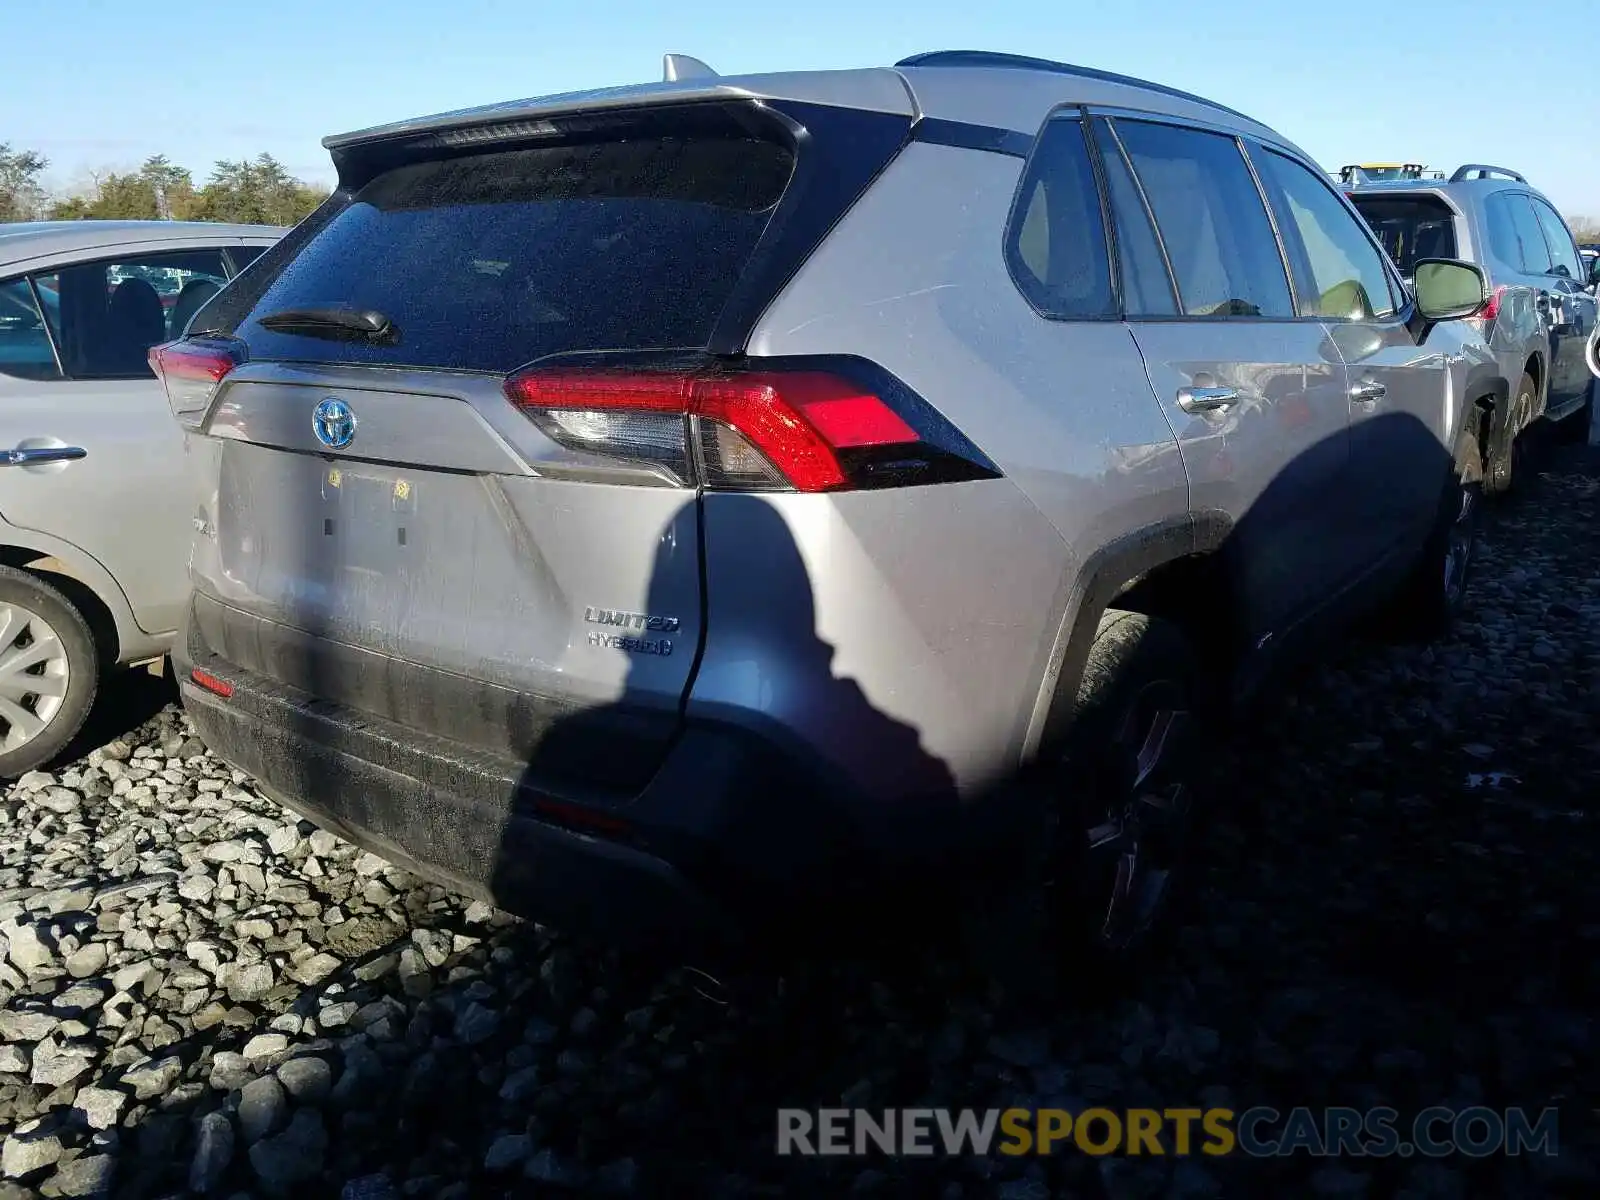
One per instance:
(1398, 905)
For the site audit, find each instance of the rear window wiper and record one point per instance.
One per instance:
(345, 324)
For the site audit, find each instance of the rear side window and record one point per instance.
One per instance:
(1146, 286)
(243, 256)
(1532, 252)
(1563, 252)
(1411, 227)
(1338, 272)
(1212, 221)
(1056, 245)
(488, 261)
(1502, 229)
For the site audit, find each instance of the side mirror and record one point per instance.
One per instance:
(1448, 289)
(1594, 271)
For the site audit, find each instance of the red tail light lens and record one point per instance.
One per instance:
(211, 683)
(1491, 310)
(797, 429)
(191, 371)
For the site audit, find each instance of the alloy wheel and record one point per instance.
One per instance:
(1459, 544)
(1145, 804)
(34, 673)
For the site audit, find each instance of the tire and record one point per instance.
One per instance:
(37, 615)
(1098, 810)
(1434, 592)
(1506, 469)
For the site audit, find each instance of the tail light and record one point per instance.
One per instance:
(190, 371)
(1486, 315)
(1491, 310)
(782, 425)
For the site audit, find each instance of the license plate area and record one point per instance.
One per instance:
(369, 519)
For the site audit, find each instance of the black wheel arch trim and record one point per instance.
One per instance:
(1105, 574)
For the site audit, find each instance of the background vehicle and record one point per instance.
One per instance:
(1356, 173)
(713, 493)
(94, 513)
(1540, 315)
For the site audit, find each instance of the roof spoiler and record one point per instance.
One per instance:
(1483, 171)
(683, 66)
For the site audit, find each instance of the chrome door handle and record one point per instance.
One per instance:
(1206, 399)
(27, 456)
(1368, 391)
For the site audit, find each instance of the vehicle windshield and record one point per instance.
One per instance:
(1410, 227)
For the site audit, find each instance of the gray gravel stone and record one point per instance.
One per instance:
(100, 1107)
(308, 1079)
(55, 1063)
(213, 1152)
(90, 1175)
(29, 1147)
(28, 952)
(294, 1156)
(26, 1025)
(153, 1077)
(476, 1024)
(507, 1152)
(262, 1104)
(87, 961)
(264, 1046)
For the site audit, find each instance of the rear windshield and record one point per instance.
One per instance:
(1410, 227)
(486, 262)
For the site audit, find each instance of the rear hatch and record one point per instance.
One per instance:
(388, 524)
(1411, 226)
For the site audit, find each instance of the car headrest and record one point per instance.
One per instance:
(194, 294)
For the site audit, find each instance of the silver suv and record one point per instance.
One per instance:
(663, 507)
(1541, 311)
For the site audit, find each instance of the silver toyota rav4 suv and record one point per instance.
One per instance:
(665, 508)
(1540, 312)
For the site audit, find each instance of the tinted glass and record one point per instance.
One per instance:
(1146, 287)
(1535, 255)
(488, 261)
(24, 342)
(1338, 272)
(1056, 245)
(1410, 227)
(1212, 221)
(243, 256)
(1563, 252)
(1502, 230)
(111, 313)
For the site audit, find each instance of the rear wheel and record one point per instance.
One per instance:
(1115, 811)
(1435, 591)
(1508, 467)
(49, 672)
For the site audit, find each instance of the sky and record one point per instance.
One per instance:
(1432, 81)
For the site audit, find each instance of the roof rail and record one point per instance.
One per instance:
(1022, 62)
(1483, 171)
(683, 66)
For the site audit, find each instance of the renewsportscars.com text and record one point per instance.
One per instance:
(1256, 1132)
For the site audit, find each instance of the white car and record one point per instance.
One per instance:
(94, 520)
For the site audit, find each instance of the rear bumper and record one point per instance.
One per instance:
(729, 839)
